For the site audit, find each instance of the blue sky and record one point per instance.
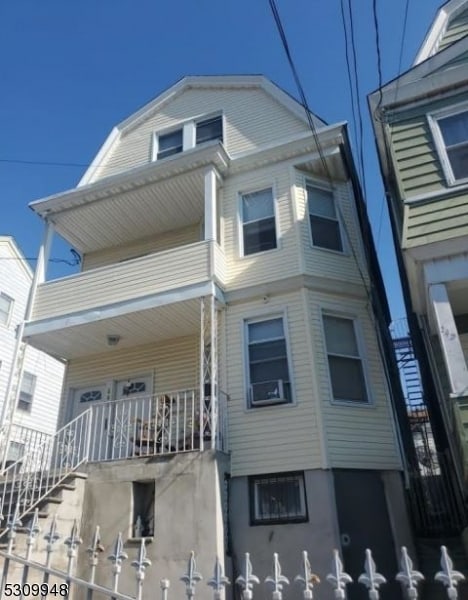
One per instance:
(70, 70)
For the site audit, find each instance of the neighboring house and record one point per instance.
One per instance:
(222, 336)
(36, 378)
(421, 127)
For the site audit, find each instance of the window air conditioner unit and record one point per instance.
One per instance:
(266, 392)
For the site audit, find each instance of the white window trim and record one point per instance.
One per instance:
(258, 318)
(321, 185)
(10, 311)
(433, 119)
(189, 133)
(30, 404)
(240, 222)
(358, 332)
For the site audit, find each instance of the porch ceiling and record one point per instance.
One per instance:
(142, 202)
(135, 329)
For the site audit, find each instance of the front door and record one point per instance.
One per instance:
(132, 408)
(93, 397)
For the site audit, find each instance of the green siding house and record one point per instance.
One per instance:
(420, 121)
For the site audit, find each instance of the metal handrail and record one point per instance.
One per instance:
(27, 481)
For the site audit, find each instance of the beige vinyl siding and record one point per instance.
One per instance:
(173, 366)
(156, 243)
(271, 438)
(457, 28)
(436, 221)
(360, 437)
(322, 262)
(125, 281)
(252, 119)
(261, 267)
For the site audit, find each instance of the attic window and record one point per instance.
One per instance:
(169, 144)
(210, 129)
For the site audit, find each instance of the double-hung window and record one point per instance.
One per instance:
(452, 143)
(324, 223)
(258, 222)
(277, 498)
(169, 143)
(28, 385)
(209, 129)
(345, 362)
(6, 306)
(268, 368)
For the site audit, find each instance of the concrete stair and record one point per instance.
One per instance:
(47, 505)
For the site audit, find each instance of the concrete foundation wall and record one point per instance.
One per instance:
(188, 515)
(319, 536)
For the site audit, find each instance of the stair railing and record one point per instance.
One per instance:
(26, 482)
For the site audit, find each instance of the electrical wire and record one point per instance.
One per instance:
(285, 44)
(72, 263)
(358, 99)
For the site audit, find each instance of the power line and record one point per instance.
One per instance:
(348, 69)
(72, 263)
(43, 163)
(379, 56)
(397, 86)
(284, 41)
(358, 98)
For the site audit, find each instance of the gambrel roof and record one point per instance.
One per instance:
(200, 82)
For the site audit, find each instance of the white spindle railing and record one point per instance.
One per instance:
(44, 466)
(164, 423)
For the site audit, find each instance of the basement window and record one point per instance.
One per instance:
(143, 493)
(277, 498)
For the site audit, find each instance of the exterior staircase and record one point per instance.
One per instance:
(44, 471)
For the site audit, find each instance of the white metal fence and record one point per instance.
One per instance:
(44, 575)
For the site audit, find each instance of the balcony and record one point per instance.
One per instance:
(142, 300)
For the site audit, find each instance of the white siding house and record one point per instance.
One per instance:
(224, 310)
(30, 380)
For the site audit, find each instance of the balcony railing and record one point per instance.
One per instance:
(130, 280)
(165, 423)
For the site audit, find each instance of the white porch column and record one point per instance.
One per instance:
(43, 256)
(210, 204)
(449, 340)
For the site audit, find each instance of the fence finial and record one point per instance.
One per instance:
(218, 582)
(73, 541)
(277, 580)
(192, 577)
(164, 583)
(338, 578)
(247, 579)
(307, 579)
(408, 576)
(370, 578)
(51, 537)
(448, 576)
(33, 530)
(140, 565)
(12, 525)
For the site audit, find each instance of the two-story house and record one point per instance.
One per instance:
(421, 126)
(226, 382)
(30, 380)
